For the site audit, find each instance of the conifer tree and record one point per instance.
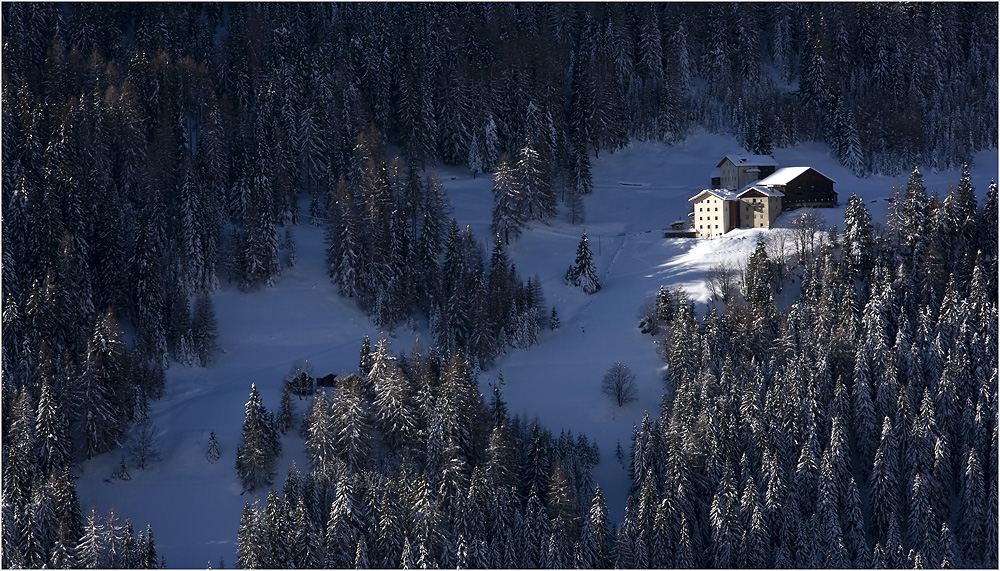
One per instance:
(594, 550)
(859, 238)
(90, 549)
(350, 422)
(285, 418)
(972, 514)
(260, 446)
(394, 413)
(259, 248)
(884, 491)
(509, 215)
(538, 201)
(582, 273)
(204, 329)
(52, 432)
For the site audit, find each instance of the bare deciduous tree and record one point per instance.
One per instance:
(806, 224)
(619, 384)
(723, 280)
(775, 242)
(144, 445)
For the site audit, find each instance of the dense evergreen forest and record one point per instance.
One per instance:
(152, 151)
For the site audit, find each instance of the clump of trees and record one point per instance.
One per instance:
(389, 246)
(409, 465)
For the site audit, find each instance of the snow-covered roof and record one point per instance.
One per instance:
(749, 160)
(761, 189)
(785, 175)
(721, 193)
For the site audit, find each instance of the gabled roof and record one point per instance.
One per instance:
(785, 175)
(721, 193)
(749, 160)
(761, 189)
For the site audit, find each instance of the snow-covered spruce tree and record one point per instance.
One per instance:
(259, 248)
(260, 447)
(199, 230)
(106, 402)
(594, 550)
(859, 239)
(394, 413)
(179, 339)
(54, 445)
(148, 304)
(509, 211)
(582, 273)
(475, 158)
(321, 445)
(285, 418)
(538, 201)
(204, 331)
(350, 422)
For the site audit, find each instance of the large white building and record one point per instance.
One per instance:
(717, 211)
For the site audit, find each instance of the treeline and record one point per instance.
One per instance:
(857, 429)
(887, 85)
(409, 466)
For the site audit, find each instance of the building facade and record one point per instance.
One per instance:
(802, 187)
(759, 207)
(737, 171)
(717, 211)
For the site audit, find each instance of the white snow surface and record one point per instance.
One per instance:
(195, 506)
(785, 175)
(755, 160)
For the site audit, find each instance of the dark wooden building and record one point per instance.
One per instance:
(802, 187)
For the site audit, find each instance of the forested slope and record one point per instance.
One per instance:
(152, 151)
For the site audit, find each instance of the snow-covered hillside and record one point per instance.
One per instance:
(195, 506)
